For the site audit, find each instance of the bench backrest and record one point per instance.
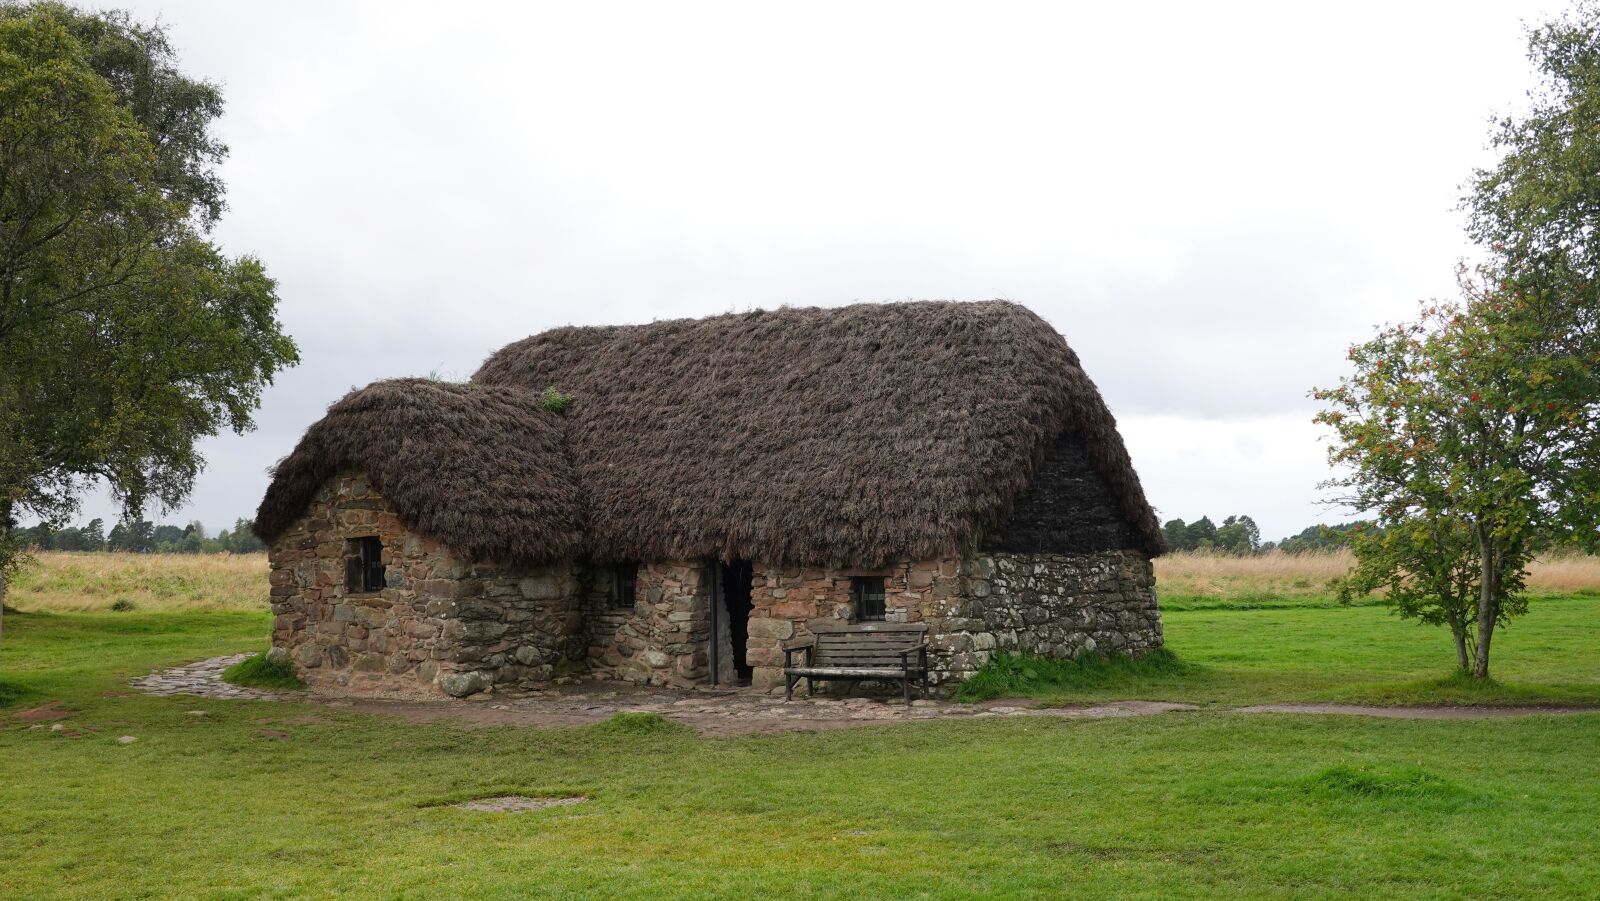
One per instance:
(865, 644)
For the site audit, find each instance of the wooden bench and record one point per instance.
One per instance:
(894, 652)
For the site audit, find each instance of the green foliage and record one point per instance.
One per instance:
(1006, 675)
(1320, 538)
(142, 536)
(555, 401)
(123, 605)
(259, 672)
(642, 723)
(125, 335)
(1535, 210)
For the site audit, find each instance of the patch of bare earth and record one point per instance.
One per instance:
(44, 713)
(1414, 712)
(517, 803)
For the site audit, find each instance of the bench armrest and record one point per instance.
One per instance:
(916, 650)
(790, 648)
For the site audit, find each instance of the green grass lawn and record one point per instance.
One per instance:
(261, 799)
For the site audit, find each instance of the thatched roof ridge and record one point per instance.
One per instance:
(856, 434)
(480, 468)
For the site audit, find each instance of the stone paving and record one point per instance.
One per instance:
(713, 711)
(203, 679)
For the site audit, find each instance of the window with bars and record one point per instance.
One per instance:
(363, 564)
(868, 593)
(624, 585)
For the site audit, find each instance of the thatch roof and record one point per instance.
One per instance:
(478, 467)
(854, 435)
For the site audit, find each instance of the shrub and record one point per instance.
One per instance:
(555, 401)
(122, 605)
(259, 672)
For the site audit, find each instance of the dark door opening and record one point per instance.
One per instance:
(736, 581)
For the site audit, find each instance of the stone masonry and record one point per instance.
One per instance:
(1057, 605)
(439, 623)
(442, 624)
(664, 638)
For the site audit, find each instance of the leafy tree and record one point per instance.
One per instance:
(1238, 535)
(1475, 430)
(1200, 535)
(1537, 209)
(1474, 416)
(125, 335)
(68, 539)
(166, 538)
(94, 535)
(1320, 539)
(242, 540)
(1177, 535)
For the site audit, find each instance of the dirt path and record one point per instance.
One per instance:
(740, 712)
(1413, 713)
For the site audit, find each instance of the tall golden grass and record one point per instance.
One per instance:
(71, 581)
(68, 581)
(1200, 574)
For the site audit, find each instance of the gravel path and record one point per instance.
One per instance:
(734, 712)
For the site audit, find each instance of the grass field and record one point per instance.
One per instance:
(277, 800)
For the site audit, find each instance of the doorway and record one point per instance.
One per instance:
(731, 602)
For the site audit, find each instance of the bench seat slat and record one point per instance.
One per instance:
(874, 645)
(861, 672)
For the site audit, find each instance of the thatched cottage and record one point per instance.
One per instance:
(714, 488)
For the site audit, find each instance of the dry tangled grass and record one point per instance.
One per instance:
(1191, 574)
(71, 581)
(67, 581)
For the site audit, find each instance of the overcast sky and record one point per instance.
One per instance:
(1210, 201)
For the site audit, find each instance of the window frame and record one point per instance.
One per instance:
(624, 574)
(861, 594)
(364, 572)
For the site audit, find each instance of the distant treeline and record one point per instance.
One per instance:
(144, 537)
(1240, 536)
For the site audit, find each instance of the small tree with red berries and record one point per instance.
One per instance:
(1473, 436)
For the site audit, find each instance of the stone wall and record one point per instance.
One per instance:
(1055, 605)
(439, 623)
(785, 599)
(665, 638)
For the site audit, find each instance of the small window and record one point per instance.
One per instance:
(363, 564)
(868, 594)
(624, 585)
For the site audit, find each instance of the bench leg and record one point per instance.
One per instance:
(905, 689)
(811, 688)
(788, 687)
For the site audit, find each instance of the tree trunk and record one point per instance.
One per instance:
(1488, 599)
(1458, 630)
